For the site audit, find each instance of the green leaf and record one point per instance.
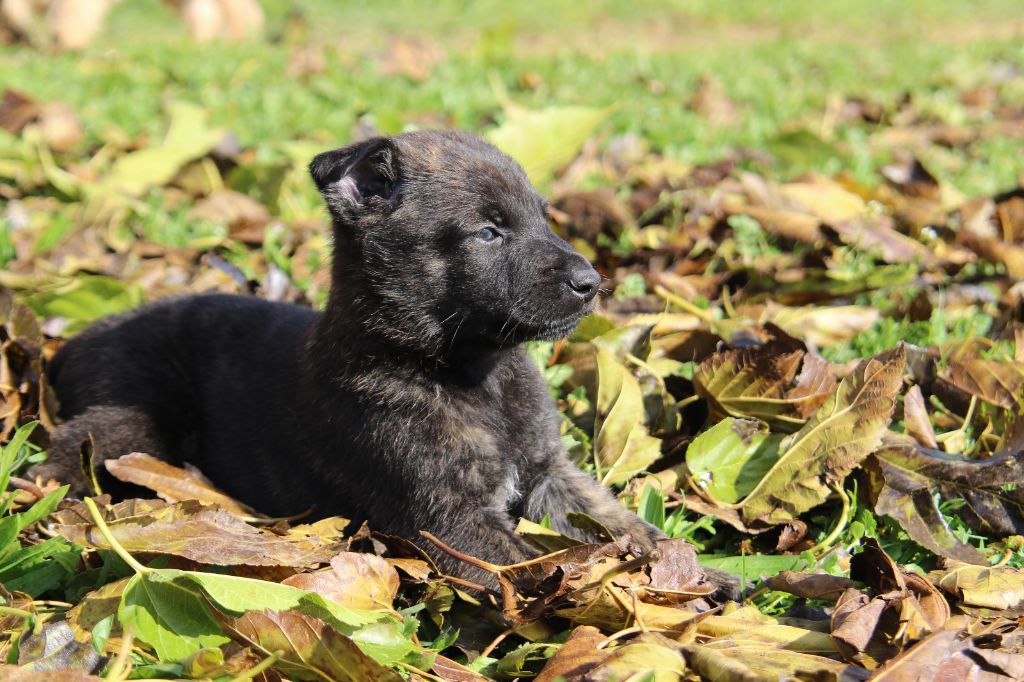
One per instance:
(310, 648)
(622, 447)
(168, 609)
(545, 140)
(188, 138)
(845, 430)
(730, 459)
(85, 299)
(651, 507)
(171, 617)
(9, 460)
(34, 569)
(101, 633)
(760, 565)
(11, 526)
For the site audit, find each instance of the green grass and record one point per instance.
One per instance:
(778, 62)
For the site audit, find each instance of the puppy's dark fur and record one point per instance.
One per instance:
(408, 402)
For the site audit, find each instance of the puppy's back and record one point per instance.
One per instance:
(184, 365)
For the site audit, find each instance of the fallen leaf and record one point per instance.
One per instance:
(915, 418)
(188, 137)
(903, 480)
(623, 445)
(359, 581)
(311, 649)
(728, 460)
(951, 655)
(744, 662)
(574, 659)
(17, 110)
(906, 608)
(202, 533)
(823, 327)
(809, 585)
(54, 647)
(647, 658)
(995, 588)
(758, 383)
(845, 430)
(170, 482)
(545, 140)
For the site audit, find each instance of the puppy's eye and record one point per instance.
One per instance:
(488, 234)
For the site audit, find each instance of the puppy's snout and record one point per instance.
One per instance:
(584, 281)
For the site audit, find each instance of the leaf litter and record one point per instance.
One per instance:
(815, 383)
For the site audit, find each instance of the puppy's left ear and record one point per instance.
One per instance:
(352, 177)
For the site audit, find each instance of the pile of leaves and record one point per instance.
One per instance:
(816, 384)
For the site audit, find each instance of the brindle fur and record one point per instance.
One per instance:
(409, 402)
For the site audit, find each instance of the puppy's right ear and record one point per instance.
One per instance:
(357, 176)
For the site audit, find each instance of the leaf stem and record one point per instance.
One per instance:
(844, 518)
(121, 665)
(422, 673)
(94, 512)
(18, 613)
(675, 299)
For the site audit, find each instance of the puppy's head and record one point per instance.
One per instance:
(448, 244)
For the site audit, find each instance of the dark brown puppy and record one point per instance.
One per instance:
(408, 402)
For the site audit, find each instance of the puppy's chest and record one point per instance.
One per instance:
(508, 437)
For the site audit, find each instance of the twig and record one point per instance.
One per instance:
(26, 485)
(471, 560)
(496, 641)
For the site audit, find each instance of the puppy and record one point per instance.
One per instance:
(409, 402)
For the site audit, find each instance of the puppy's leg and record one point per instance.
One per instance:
(115, 431)
(566, 488)
(486, 534)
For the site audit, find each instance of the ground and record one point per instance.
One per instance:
(808, 363)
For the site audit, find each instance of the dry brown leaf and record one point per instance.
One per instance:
(202, 533)
(743, 662)
(356, 580)
(906, 608)
(17, 110)
(576, 657)
(915, 418)
(809, 585)
(951, 656)
(995, 589)
(172, 483)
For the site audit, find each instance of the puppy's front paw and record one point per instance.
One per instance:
(52, 471)
(728, 587)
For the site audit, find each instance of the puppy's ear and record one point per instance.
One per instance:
(350, 178)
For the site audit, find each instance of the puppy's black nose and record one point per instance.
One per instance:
(584, 282)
